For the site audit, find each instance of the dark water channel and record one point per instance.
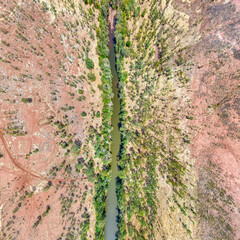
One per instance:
(111, 222)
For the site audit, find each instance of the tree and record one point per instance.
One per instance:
(91, 76)
(89, 63)
(83, 114)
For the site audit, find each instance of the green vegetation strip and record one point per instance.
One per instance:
(103, 138)
(147, 153)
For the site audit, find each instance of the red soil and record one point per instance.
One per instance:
(216, 99)
(40, 60)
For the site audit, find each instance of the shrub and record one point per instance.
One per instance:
(89, 63)
(47, 211)
(83, 114)
(4, 30)
(91, 34)
(5, 43)
(81, 98)
(128, 43)
(98, 114)
(91, 76)
(26, 100)
(44, 7)
(80, 91)
(144, 12)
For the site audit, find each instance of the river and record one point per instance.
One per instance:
(111, 221)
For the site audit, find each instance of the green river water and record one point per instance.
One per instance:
(111, 221)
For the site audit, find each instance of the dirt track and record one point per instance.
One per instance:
(33, 174)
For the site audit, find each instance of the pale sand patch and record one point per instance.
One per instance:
(186, 1)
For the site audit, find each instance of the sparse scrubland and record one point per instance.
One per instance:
(55, 119)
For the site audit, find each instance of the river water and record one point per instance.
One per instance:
(111, 221)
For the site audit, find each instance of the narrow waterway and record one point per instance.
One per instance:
(111, 222)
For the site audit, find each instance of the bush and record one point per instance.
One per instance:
(128, 43)
(44, 7)
(80, 91)
(98, 114)
(26, 100)
(144, 12)
(89, 63)
(91, 76)
(83, 114)
(81, 98)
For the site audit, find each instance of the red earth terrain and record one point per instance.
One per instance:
(215, 144)
(46, 102)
